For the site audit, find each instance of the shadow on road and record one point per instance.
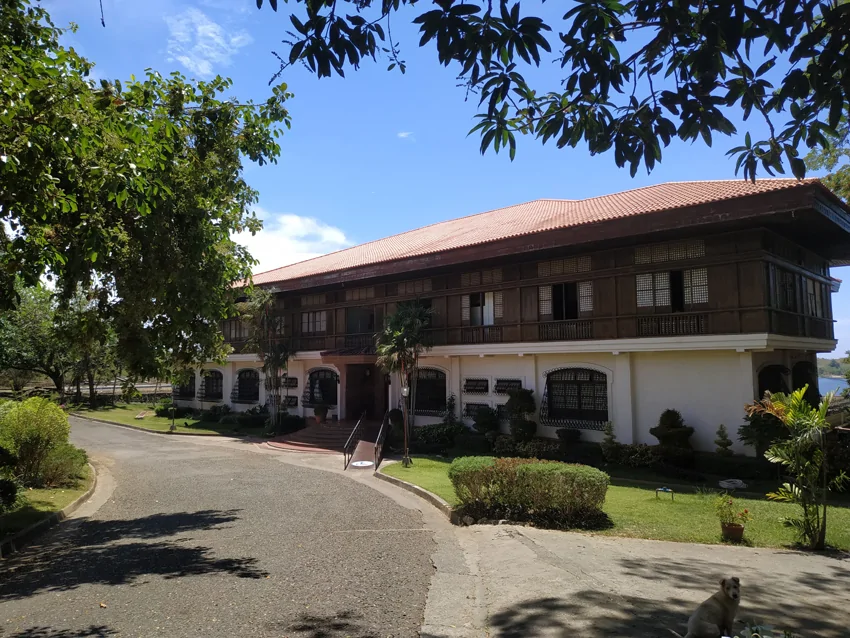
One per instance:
(46, 632)
(778, 601)
(116, 552)
(344, 624)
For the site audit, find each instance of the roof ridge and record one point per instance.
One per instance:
(412, 230)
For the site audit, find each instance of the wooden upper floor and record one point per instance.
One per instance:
(735, 281)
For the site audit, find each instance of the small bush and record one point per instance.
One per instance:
(7, 459)
(639, 455)
(435, 439)
(548, 493)
(8, 494)
(230, 419)
(254, 421)
(611, 447)
(723, 442)
(760, 431)
(63, 465)
(504, 446)
(30, 430)
(740, 467)
(470, 444)
(538, 449)
(520, 403)
(320, 411)
(568, 435)
(523, 430)
(287, 423)
(208, 416)
(486, 420)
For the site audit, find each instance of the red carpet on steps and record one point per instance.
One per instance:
(326, 437)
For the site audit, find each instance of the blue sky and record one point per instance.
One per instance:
(375, 153)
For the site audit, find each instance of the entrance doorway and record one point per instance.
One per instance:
(365, 391)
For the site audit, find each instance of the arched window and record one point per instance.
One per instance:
(247, 389)
(212, 385)
(575, 398)
(772, 379)
(321, 388)
(186, 390)
(804, 373)
(430, 392)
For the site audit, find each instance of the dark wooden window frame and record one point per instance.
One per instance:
(431, 392)
(213, 385)
(575, 398)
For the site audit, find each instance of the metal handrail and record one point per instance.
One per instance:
(351, 443)
(379, 442)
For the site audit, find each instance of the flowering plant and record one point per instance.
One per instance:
(728, 513)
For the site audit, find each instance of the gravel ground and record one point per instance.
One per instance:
(213, 541)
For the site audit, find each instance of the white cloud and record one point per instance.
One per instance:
(287, 238)
(200, 44)
(406, 135)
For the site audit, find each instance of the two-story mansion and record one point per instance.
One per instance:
(697, 296)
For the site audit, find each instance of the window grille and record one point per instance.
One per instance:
(504, 386)
(585, 296)
(544, 297)
(696, 286)
(575, 397)
(321, 388)
(476, 386)
(498, 305)
(430, 392)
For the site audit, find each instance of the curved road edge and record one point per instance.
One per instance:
(28, 534)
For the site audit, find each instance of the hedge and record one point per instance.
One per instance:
(549, 493)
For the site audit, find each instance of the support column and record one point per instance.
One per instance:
(340, 393)
(622, 399)
(227, 382)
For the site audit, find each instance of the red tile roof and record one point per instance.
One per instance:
(525, 219)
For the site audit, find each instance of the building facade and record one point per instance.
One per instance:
(697, 296)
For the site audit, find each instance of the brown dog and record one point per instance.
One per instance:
(716, 616)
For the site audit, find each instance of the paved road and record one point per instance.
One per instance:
(207, 540)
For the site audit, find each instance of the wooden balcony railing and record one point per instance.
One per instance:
(565, 330)
(359, 341)
(672, 325)
(481, 334)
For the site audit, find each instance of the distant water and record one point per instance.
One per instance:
(826, 384)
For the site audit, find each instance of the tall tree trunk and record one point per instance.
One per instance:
(92, 389)
(58, 379)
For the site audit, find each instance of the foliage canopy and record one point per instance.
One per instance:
(635, 74)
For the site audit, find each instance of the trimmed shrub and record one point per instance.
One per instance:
(63, 466)
(486, 420)
(520, 403)
(639, 455)
(30, 430)
(230, 419)
(671, 430)
(396, 418)
(723, 442)
(548, 493)
(8, 494)
(320, 411)
(523, 430)
(741, 467)
(611, 447)
(470, 444)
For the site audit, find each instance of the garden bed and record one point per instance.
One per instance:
(636, 512)
(38, 504)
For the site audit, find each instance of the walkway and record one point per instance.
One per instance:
(211, 538)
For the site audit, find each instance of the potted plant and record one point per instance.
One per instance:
(732, 520)
(320, 411)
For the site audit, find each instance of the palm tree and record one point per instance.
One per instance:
(804, 455)
(266, 336)
(399, 346)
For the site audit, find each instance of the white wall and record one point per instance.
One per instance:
(708, 388)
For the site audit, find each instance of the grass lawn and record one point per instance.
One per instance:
(40, 503)
(636, 512)
(126, 414)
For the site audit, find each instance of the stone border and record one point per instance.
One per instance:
(446, 509)
(28, 534)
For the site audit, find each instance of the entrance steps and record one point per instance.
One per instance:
(325, 438)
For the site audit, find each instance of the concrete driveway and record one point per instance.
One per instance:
(218, 537)
(199, 539)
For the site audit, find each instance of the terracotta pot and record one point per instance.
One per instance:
(732, 532)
